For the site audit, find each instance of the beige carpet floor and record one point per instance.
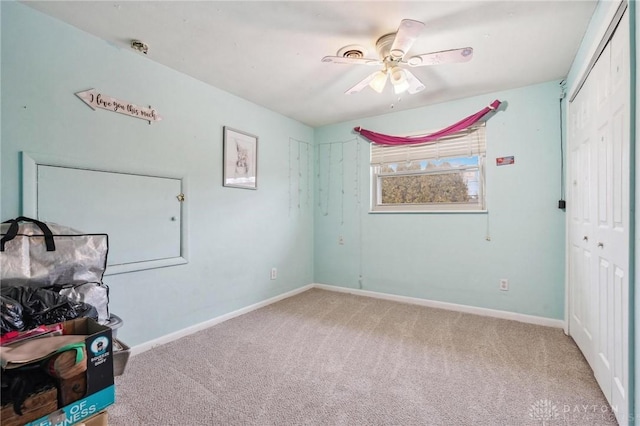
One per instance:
(328, 358)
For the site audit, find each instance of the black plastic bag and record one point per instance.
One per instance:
(10, 315)
(40, 307)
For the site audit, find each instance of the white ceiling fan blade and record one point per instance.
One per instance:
(443, 57)
(352, 61)
(407, 33)
(415, 85)
(362, 84)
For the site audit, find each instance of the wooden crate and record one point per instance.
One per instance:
(72, 389)
(35, 406)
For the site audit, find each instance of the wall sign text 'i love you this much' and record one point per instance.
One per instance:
(95, 99)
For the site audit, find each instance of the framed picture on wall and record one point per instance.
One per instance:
(240, 156)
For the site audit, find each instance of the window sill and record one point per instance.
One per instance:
(428, 211)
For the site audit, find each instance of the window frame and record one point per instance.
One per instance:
(376, 177)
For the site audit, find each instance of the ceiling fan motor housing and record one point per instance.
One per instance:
(383, 46)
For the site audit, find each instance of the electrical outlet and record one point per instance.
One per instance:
(341, 240)
(504, 284)
(274, 273)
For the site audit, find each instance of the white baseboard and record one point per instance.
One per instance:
(530, 319)
(210, 323)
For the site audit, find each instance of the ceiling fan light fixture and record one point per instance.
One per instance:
(400, 88)
(415, 85)
(379, 81)
(399, 80)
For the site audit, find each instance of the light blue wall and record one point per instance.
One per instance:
(446, 257)
(235, 235)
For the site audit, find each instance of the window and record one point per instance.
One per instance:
(447, 175)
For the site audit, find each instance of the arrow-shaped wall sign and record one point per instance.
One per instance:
(98, 100)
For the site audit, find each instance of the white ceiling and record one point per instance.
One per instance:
(269, 52)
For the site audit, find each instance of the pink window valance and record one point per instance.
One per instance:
(381, 139)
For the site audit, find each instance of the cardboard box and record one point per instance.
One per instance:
(80, 410)
(100, 388)
(99, 345)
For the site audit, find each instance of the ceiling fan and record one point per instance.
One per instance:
(392, 49)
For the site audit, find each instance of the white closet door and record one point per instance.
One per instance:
(581, 322)
(604, 268)
(599, 196)
(613, 231)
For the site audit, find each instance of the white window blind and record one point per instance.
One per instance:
(466, 143)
